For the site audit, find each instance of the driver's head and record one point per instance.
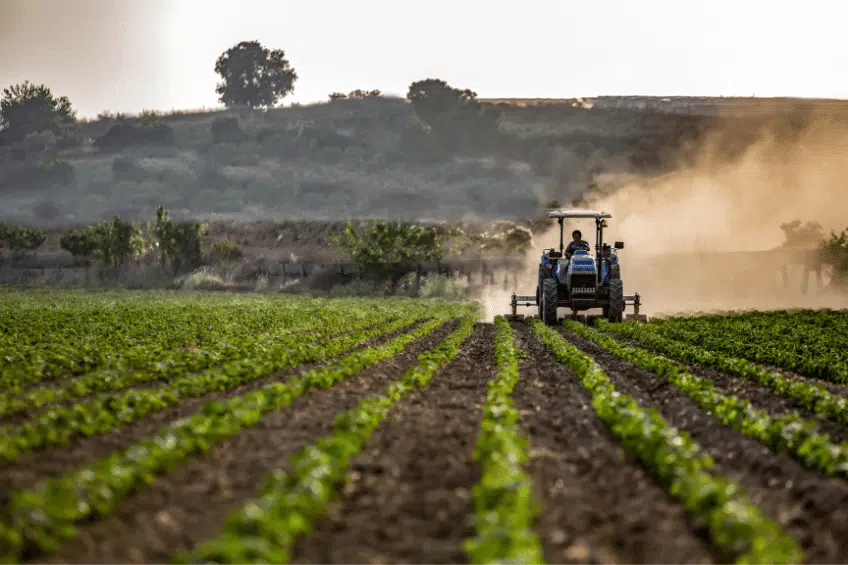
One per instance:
(576, 235)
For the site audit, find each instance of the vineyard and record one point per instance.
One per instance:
(185, 427)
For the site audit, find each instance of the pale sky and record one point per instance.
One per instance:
(129, 55)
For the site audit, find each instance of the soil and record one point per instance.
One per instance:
(27, 470)
(408, 494)
(811, 507)
(599, 507)
(185, 507)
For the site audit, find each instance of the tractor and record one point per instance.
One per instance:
(582, 282)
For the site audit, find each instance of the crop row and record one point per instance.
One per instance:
(719, 506)
(814, 398)
(266, 528)
(791, 433)
(132, 335)
(504, 507)
(37, 520)
(147, 366)
(102, 413)
(785, 341)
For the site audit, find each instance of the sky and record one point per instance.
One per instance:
(132, 55)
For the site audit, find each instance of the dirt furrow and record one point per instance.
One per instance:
(759, 396)
(599, 506)
(811, 507)
(190, 504)
(407, 499)
(26, 471)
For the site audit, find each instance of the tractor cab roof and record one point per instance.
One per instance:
(578, 213)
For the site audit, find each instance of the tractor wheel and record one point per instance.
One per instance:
(549, 301)
(615, 311)
(539, 301)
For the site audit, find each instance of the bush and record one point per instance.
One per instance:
(113, 242)
(20, 239)
(180, 244)
(226, 129)
(124, 135)
(126, 168)
(225, 250)
(444, 287)
(201, 279)
(46, 210)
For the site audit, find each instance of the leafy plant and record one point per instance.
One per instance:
(20, 239)
(382, 247)
(180, 244)
(113, 243)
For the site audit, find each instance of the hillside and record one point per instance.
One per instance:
(343, 159)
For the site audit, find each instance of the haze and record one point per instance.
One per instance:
(129, 55)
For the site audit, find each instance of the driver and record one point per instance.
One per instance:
(576, 243)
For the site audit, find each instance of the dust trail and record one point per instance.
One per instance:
(675, 226)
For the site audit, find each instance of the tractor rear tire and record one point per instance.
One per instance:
(549, 301)
(539, 300)
(615, 310)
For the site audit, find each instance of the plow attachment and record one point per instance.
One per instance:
(527, 301)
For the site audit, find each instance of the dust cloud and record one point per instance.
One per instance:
(686, 232)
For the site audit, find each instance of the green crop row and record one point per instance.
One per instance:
(504, 507)
(791, 433)
(266, 528)
(61, 424)
(815, 398)
(719, 506)
(147, 367)
(38, 520)
(128, 336)
(815, 351)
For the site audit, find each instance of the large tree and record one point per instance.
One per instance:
(28, 108)
(253, 75)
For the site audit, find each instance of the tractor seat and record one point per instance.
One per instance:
(554, 254)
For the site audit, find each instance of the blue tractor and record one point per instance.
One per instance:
(583, 281)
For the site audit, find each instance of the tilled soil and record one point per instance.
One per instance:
(598, 505)
(811, 507)
(27, 470)
(407, 499)
(759, 396)
(190, 504)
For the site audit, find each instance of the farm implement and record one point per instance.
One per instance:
(580, 281)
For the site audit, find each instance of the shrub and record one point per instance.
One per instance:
(225, 250)
(113, 242)
(180, 244)
(123, 135)
(444, 287)
(226, 129)
(19, 239)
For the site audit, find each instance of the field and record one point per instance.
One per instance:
(183, 427)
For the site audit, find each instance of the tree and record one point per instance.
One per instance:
(28, 108)
(180, 245)
(834, 252)
(21, 239)
(382, 247)
(113, 242)
(454, 115)
(253, 75)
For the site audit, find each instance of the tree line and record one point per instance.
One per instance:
(252, 76)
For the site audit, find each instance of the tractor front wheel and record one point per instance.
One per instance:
(549, 301)
(615, 311)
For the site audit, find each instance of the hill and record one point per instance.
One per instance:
(341, 159)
